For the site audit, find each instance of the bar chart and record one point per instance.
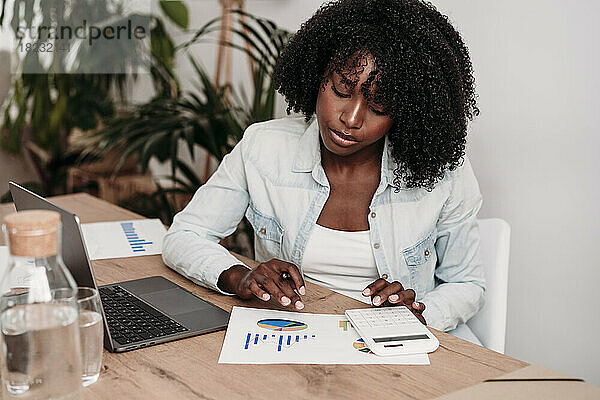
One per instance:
(277, 342)
(136, 242)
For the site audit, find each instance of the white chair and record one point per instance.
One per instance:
(489, 324)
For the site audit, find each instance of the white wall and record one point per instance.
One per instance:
(534, 151)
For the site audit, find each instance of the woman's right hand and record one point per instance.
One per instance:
(274, 278)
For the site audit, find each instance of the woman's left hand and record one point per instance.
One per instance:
(384, 293)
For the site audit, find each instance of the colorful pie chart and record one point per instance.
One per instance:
(281, 325)
(360, 345)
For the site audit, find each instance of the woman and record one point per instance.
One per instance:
(370, 194)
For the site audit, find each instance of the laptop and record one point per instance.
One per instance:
(137, 313)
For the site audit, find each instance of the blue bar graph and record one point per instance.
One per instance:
(278, 342)
(136, 242)
(247, 341)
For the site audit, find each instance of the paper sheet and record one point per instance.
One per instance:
(257, 336)
(140, 237)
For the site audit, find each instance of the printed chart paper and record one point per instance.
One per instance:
(257, 336)
(140, 237)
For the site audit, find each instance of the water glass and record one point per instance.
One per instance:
(91, 334)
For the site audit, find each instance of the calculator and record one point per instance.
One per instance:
(392, 331)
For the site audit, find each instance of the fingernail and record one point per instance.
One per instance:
(416, 305)
(302, 290)
(376, 300)
(366, 292)
(266, 297)
(393, 297)
(285, 301)
(299, 305)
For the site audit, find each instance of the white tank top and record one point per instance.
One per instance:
(340, 260)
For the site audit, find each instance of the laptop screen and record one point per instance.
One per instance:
(74, 252)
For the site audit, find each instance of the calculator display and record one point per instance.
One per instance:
(399, 338)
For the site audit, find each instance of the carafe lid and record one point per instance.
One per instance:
(33, 233)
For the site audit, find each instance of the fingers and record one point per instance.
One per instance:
(389, 289)
(280, 289)
(276, 279)
(375, 287)
(405, 297)
(258, 292)
(296, 277)
(284, 279)
(287, 287)
(418, 307)
(384, 293)
(269, 285)
(417, 310)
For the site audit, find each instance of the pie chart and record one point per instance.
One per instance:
(281, 325)
(360, 345)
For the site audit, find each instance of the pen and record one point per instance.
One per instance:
(286, 276)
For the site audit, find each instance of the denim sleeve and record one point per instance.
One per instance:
(459, 272)
(191, 245)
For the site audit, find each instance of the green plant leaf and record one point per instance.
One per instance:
(176, 11)
(209, 27)
(161, 44)
(2, 12)
(193, 179)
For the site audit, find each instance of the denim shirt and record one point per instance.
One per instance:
(426, 240)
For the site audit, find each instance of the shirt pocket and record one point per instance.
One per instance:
(268, 234)
(421, 259)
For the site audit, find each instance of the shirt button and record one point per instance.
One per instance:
(426, 252)
(373, 215)
(376, 245)
(384, 276)
(263, 230)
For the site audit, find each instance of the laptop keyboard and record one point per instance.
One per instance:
(131, 320)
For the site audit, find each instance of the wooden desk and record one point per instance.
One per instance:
(188, 369)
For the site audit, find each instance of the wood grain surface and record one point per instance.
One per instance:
(188, 369)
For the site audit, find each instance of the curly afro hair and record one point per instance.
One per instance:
(423, 77)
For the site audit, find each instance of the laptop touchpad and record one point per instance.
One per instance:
(175, 301)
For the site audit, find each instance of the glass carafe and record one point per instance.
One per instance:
(40, 349)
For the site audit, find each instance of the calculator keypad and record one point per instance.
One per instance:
(382, 317)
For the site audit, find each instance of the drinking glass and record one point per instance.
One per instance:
(91, 334)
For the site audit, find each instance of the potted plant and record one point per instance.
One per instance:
(203, 117)
(47, 105)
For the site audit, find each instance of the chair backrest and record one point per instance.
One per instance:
(489, 324)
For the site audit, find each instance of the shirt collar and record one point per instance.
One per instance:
(308, 154)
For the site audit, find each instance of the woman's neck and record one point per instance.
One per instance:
(367, 159)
